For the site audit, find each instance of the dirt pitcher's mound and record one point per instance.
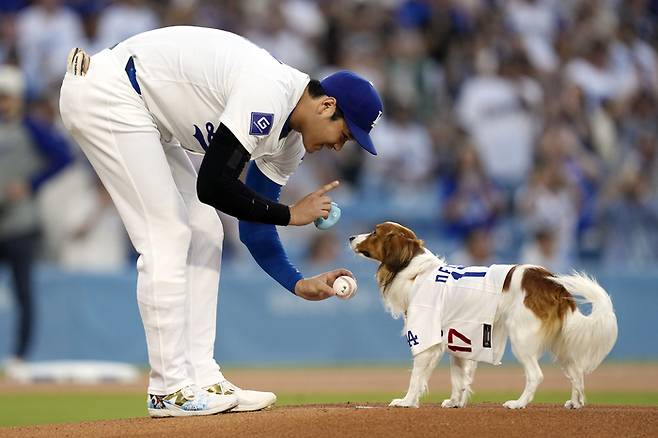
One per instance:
(376, 420)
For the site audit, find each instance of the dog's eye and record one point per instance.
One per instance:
(366, 253)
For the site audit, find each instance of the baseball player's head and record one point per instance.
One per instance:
(342, 107)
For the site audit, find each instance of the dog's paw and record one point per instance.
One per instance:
(570, 404)
(450, 403)
(514, 404)
(402, 403)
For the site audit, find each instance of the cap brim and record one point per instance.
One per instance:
(361, 137)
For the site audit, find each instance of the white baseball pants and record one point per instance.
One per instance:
(179, 239)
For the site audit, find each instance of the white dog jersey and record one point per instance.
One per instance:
(457, 305)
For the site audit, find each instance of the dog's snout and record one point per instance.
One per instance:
(352, 238)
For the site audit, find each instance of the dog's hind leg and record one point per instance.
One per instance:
(527, 347)
(424, 363)
(577, 379)
(461, 377)
(533, 377)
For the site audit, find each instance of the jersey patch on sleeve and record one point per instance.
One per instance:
(261, 123)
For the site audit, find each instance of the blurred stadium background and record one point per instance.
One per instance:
(514, 131)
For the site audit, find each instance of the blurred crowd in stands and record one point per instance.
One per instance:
(514, 130)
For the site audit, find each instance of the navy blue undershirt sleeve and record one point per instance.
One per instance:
(52, 146)
(262, 240)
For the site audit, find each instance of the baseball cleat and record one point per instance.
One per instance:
(248, 400)
(189, 401)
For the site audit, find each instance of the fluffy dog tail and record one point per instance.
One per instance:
(586, 340)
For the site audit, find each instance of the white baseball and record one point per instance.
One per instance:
(345, 287)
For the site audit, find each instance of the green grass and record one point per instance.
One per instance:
(34, 408)
(37, 408)
(610, 398)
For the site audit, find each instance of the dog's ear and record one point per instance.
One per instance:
(399, 250)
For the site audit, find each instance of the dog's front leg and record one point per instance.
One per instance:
(424, 363)
(461, 376)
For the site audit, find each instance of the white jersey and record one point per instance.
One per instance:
(192, 79)
(457, 306)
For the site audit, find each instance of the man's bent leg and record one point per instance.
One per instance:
(118, 136)
(206, 246)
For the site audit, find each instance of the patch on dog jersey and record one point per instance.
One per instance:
(261, 123)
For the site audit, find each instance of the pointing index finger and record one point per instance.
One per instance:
(325, 188)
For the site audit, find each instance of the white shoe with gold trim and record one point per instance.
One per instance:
(248, 400)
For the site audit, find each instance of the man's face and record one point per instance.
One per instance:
(323, 132)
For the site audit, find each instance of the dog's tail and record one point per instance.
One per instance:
(586, 340)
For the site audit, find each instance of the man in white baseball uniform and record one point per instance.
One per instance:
(138, 110)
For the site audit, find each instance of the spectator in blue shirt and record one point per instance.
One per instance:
(30, 153)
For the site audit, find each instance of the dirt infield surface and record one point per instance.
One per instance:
(377, 421)
(348, 419)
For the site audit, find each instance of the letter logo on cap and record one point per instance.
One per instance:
(374, 122)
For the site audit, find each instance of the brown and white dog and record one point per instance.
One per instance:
(537, 312)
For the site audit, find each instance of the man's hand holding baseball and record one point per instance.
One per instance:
(320, 287)
(312, 206)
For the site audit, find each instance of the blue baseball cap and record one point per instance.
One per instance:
(358, 100)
